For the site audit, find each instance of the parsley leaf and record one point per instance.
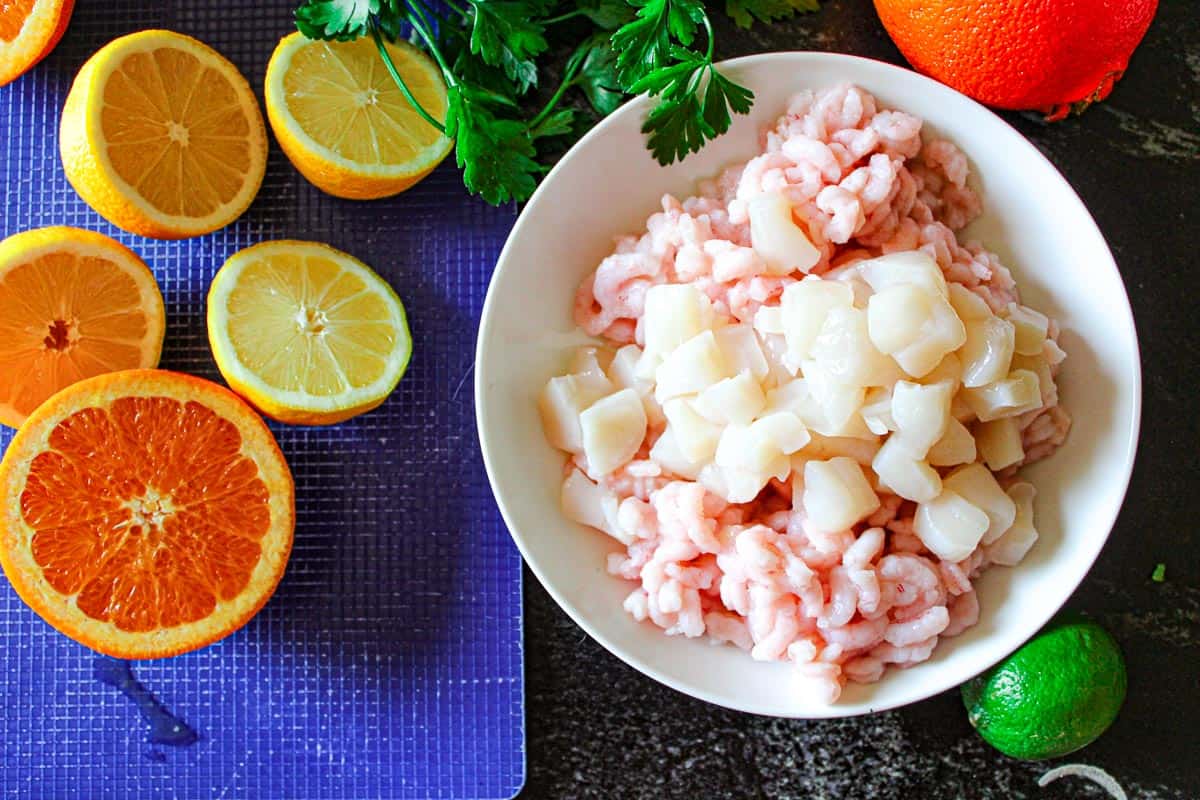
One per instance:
(559, 123)
(598, 78)
(644, 44)
(744, 12)
(496, 155)
(506, 34)
(606, 14)
(342, 20)
(722, 96)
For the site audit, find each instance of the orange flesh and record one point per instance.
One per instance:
(175, 132)
(146, 511)
(13, 14)
(65, 318)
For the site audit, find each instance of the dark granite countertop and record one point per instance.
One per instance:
(599, 729)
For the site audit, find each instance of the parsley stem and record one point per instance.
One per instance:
(456, 8)
(567, 79)
(418, 25)
(395, 73)
(564, 17)
(708, 55)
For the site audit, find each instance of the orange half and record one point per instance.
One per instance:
(145, 513)
(73, 304)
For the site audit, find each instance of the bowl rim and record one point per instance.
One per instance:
(635, 105)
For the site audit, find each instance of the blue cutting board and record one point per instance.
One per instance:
(388, 663)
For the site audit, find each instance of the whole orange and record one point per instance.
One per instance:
(1052, 55)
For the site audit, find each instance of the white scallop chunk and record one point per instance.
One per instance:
(921, 413)
(738, 399)
(948, 369)
(823, 448)
(586, 502)
(674, 313)
(562, 401)
(780, 368)
(762, 447)
(1011, 397)
(768, 319)
(911, 478)
(896, 316)
(941, 333)
(966, 304)
(776, 237)
(838, 401)
(957, 446)
(950, 526)
(977, 485)
(781, 430)
(692, 367)
(845, 352)
(999, 443)
(1011, 548)
(590, 360)
(696, 436)
(987, 353)
(734, 485)
(805, 305)
(877, 411)
(622, 370)
(667, 453)
(1040, 367)
(837, 494)
(912, 266)
(960, 410)
(1030, 328)
(742, 352)
(613, 430)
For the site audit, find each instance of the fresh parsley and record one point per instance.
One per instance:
(491, 55)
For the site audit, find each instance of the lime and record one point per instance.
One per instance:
(1056, 694)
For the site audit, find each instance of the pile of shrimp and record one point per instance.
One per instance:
(840, 606)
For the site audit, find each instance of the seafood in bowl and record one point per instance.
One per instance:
(806, 418)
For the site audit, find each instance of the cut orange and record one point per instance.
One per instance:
(75, 304)
(163, 137)
(145, 513)
(29, 30)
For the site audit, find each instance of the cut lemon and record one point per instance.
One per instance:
(29, 30)
(308, 334)
(163, 137)
(344, 123)
(145, 513)
(75, 304)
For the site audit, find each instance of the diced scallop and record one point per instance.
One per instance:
(837, 494)
(948, 369)
(999, 443)
(1011, 548)
(1040, 367)
(896, 316)
(586, 502)
(968, 305)
(667, 453)
(1013, 396)
(912, 266)
(738, 399)
(781, 430)
(692, 367)
(839, 401)
(769, 319)
(622, 371)
(950, 526)
(823, 448)
(590, 360)
(742, 352)
(696, 436)
(776, 237)
(613, 430)
(987, 353)
(961, 410)
(921, 413)
(674, 313)
(762, 447)
(942, 333)
(780, 368)
(911, 478)
(957, 446)
(805, 306)
(844, 350)
(561, 402)
(877, 411)
(1030, 328)
(734, 485)
(977, 485)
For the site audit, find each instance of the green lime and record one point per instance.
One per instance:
(1056, 694)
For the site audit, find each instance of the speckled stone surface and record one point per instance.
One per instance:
(598, 729)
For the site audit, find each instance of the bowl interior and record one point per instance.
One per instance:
(608, 184)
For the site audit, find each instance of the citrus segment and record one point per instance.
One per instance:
(76, 304)
(29, 30)
(344, 122)
(307, 333)
(145, 513)
(162, 136)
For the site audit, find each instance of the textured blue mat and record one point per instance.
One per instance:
(388, 664)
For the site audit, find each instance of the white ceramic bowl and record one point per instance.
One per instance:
(608, 184)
